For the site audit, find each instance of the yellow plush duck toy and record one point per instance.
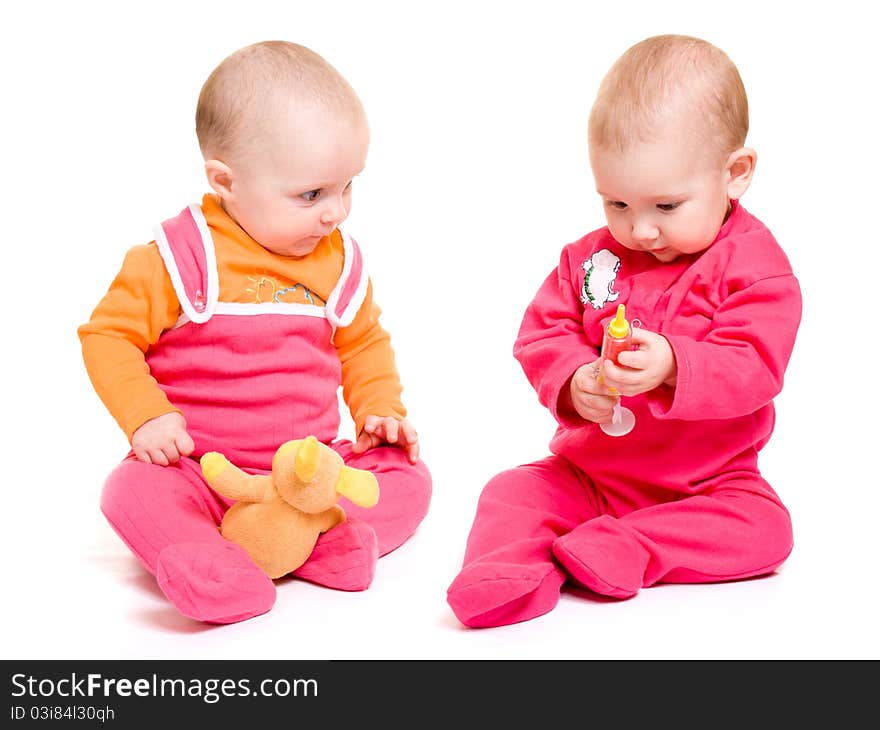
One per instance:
(278, 517)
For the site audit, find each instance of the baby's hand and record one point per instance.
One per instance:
(652, 364)
(590, 399)
(162, 440)
(388, 430)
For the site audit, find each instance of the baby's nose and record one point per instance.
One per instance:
(334, 211)
(644, 231)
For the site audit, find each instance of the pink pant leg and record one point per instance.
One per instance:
(151, 507)
(508, 573)
(345, 557)
(404, 493)
(738, 529)
(169, 517)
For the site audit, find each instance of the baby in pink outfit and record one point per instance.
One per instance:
(716, 308)
(234, 330)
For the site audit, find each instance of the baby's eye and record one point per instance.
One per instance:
(311, 196)
(617, 204)
(667, 207)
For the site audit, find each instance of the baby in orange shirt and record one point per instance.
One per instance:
(233, 330)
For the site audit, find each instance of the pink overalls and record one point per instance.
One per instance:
(247, 378)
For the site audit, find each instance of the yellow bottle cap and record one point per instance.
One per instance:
(619, 327)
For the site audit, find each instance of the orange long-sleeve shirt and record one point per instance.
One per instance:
(141, 304)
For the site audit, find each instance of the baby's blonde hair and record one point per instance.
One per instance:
(250, 84)
(671, 77)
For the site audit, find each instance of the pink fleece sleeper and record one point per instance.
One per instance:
(248, 377)
(680, 499)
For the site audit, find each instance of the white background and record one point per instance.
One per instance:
(476, 177)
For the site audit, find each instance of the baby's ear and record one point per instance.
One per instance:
(219, 177)
(739, 170)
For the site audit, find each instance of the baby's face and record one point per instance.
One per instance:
(665, 199)
(294, 186)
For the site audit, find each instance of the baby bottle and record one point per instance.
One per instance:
(617, 339)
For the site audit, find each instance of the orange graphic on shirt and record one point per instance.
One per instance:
(266, 289)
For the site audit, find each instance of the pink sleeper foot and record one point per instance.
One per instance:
(344, 558)
(602, 558)
(489, 594)
(215, 583)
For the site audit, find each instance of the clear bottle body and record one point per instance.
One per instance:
(612, 347)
